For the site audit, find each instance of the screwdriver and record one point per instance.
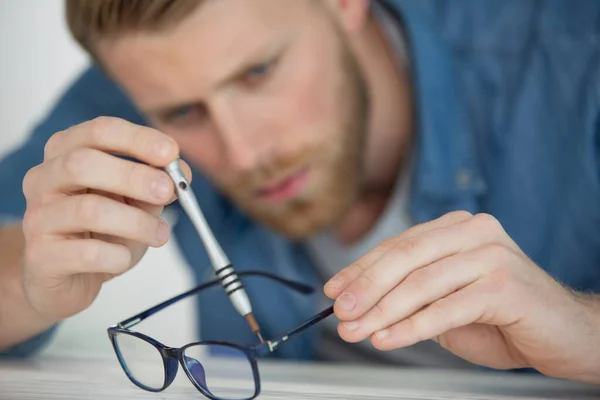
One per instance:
(219, 260)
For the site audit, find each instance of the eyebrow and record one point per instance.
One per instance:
(163, 111)
(256, 55)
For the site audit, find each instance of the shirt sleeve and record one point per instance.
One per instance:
(30, 346)
(91, 95)
(597, 143)
(8, 219)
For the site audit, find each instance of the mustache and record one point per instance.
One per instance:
(273, 170)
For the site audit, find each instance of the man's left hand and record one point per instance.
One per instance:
(462, 281)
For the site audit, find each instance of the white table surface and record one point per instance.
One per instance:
(48, 377)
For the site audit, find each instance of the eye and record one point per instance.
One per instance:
(257, 73)
(259, 70)
(180, 112)
(185, 116)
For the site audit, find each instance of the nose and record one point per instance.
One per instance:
(240, 136)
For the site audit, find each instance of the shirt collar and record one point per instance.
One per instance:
(445, 164)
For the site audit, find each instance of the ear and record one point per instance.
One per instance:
(352, 14)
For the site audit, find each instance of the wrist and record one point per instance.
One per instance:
(590, 303)
(19, 321)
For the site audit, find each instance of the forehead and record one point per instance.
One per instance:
(213, 41)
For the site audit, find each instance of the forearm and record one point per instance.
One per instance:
(18, 320)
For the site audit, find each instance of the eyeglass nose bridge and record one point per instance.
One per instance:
(171, 357)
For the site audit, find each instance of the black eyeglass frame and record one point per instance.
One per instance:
(172, 356)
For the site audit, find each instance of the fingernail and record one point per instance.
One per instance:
(163, 232)
(335, 283)
(163, 148)
(382, 334)
(351, 326)
(161, 187)
(346, 301)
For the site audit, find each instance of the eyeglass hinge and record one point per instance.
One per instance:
(130, 323)
(273, 345)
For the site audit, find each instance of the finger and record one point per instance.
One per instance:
(334, 287)
(419, 289)
(98, 214)
(77, 256)
(118, 136)
(459, 309)
(84, 169)
(410, 254)
(157, 210)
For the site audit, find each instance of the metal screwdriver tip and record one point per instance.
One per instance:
(260, 337)
(254, 326)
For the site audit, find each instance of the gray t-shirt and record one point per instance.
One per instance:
(332, 256)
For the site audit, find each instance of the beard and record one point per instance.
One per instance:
(335, 166)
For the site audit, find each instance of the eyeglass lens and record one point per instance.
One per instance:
(222, 371)
(142, 361)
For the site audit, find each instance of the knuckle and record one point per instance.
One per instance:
(117, 261)
(74, 162)
(29, 182)
(436, 312)
(387, 244)
(90, 254)
(380, 345)
(381, 312)
(45, 198)
(131, 174)
(361, 265)
(88, 209)
(486, 221)
(501, 259)
(365, 283)
(349, 273)
(422, 322)
(101, 129)
(34, 254)
(138, 137)
(406, 246)
(411, 325)
(437, 308)
(32, 219)
(498, 253)
(145, 226)
(122, 265)
(51, 148)
(420, 279)
(459, 215)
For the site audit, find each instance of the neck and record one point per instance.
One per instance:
(389, 131)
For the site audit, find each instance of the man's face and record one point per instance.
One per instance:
(265, 97)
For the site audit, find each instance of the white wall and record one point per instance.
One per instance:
(38, 59)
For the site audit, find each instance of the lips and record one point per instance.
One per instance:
(286, 188)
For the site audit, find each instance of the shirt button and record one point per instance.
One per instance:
(463, 179)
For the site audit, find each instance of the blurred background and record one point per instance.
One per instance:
(39, 59)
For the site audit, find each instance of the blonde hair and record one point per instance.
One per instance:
(91, 20)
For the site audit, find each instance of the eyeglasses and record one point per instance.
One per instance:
(152, 366)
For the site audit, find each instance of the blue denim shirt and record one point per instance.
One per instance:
(508, 109)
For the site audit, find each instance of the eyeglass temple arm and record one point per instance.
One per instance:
(297, 286)
(272, 344)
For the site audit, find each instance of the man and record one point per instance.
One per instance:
(440, 162)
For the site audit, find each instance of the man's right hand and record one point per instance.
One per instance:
(90, 214)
